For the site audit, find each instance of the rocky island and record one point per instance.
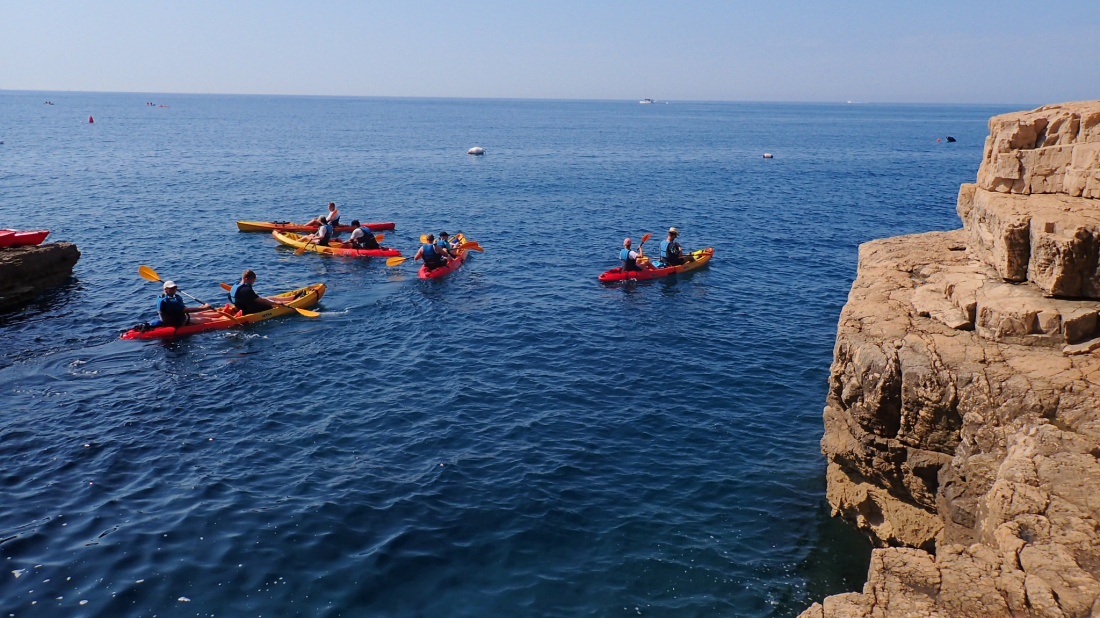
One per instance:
(25, 272)
(962, 424)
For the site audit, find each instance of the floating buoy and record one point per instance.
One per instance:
(91, 120)
(938, 140)
(476, 150)
(768, 155)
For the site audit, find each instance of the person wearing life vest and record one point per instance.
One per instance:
(631, 258)
(322, 235)
(362, 238)
(445, 241)
(332, 216)
(172, 310)
(243, 297)
(434, 256)
(672, 254)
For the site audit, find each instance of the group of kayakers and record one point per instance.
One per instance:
(436, 252)
(172, 309)
(672, 254)
(361, 237)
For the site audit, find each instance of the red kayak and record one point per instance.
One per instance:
(14, 238)
(450, 267)
(286, 226)
(701, 256)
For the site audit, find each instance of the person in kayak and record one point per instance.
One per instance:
(434, 256)
(362, 238)
(672, 254)
(630, 258)
(322, 235)
(172, 310)
(243, 297)
(445, 242)
(332, 217)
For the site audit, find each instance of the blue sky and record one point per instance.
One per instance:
(765, 50)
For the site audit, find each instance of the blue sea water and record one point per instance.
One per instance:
(515, 439)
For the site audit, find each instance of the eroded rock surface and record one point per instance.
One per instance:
(962, 425)
(27, 271)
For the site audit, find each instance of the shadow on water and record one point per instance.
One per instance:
(837, 561)
(50, 301)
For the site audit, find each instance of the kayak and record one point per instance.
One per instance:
(333, 248)
(450, 267)
(202, 321)
(702, 256)
(287, 226)
(15, 238)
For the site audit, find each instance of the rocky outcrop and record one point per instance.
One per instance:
(25, 272)
(962, 425)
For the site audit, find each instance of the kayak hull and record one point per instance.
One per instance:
(702, 256)
(285, 226)
(204, 321)
(15, 238)
(333, 248)
(453, 265)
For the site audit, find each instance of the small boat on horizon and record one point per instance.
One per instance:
(646, 101)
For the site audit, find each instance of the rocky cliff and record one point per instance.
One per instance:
(962, 425)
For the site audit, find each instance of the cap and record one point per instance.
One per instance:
(673, 230)
(442, 234)
(626, 241)
(169, 284)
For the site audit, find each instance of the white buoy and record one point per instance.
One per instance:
(767, 155)
(476, 150)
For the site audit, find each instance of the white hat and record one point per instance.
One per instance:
(169, 284)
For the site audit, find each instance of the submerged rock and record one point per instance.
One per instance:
(962, 424)
(25, 272)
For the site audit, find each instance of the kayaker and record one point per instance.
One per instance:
(171, 308)
(243, 297)
(434, 256)
(362, 238)
(445, 241)
(332, 216)
(672, 254)
(630, 257)
(322, 235)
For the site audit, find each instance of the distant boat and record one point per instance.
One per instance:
(476, 150)
(646, 101)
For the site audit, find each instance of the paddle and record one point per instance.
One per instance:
(151, 275)
(305, 312)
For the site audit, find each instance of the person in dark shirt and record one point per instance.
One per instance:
(247, 300)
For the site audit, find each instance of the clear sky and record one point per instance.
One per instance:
(959, 51)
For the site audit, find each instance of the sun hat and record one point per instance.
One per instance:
(169, 284)
(673, 230)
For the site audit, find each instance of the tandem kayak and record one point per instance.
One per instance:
(702, 256)
(16, 238)
(450, 267)
(286, 226)
(202, 321)
(333, 248)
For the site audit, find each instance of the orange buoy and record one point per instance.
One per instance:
(91, 120)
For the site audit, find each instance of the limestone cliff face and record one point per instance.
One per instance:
(962, 426)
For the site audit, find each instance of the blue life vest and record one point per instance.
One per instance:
(628, 262)
(431, 256)
(233, 292)
(172, 310)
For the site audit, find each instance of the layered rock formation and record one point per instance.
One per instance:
(962, 426)
(25, 272)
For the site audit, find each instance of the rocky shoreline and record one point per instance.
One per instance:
(26, 272)
(962, 424)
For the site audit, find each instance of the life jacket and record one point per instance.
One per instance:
(629, 263)
(671, 251)
(366, 240)
(326, 233)
(431, 256)
(172, 310)
(233, 293)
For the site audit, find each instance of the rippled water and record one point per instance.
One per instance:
(513, 440)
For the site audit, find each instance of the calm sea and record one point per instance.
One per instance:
(513, 440)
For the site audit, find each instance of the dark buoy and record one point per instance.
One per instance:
(91, 120)
(768, 155)
(950, 139)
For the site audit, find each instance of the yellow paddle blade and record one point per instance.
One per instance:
(423, 239)
(470, 246)
(394, 261)
(306, 312)
(380, 237)
(226, 286)
(299, 251)
(148, 273)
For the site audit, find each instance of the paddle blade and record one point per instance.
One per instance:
(646, 237)
(306, 312)
(226, 286)
(299, 251)
(148, 273)
(470, 246)
(423, 239)
(380, 237)
(394, 261)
